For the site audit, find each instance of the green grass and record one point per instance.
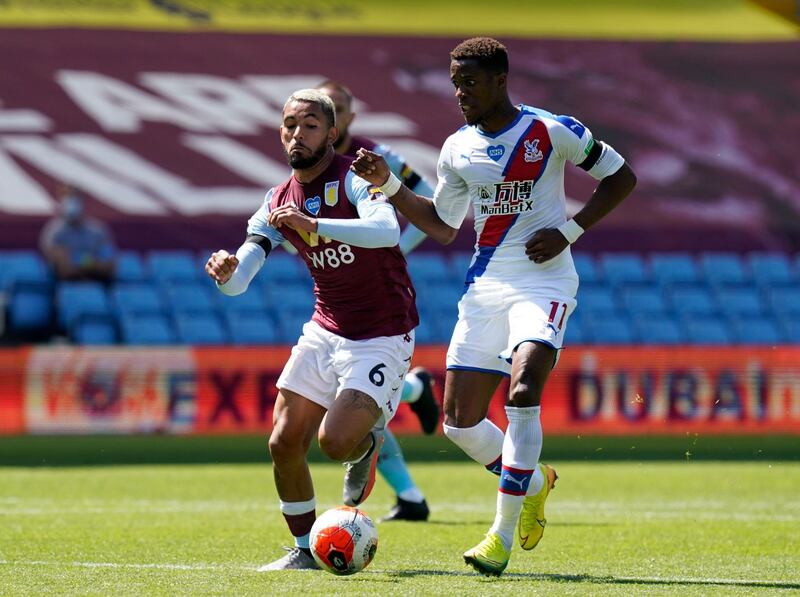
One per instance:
(616, 528)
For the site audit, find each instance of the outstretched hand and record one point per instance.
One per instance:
(221, 265)
(371, 167)
(545, 244)
(289, 215)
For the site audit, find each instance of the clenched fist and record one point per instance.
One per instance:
(221, 265)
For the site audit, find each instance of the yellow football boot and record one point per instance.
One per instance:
(488, 557)
(531, 519)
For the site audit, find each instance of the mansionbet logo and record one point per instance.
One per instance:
(204, 126)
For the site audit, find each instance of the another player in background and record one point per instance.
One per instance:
(507, 163)
(343, 378)
(417, 392)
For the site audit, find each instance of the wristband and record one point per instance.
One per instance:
(391, 186)
(571, 230)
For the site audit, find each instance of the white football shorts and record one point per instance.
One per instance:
(494, 318)
(323, 364)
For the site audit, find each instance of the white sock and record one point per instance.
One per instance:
(522, 445)
(415, 387)
(537, 481)
(483, 442)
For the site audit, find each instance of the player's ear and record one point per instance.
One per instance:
(333, 133)
(502, 80)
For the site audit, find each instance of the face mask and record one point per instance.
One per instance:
(72, 208)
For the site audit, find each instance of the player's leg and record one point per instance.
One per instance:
(295, 423)
(410, 501)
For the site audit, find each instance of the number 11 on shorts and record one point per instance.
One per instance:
(554, 312)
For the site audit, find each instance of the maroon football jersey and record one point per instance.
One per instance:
(361, 293)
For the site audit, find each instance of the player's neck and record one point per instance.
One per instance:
(309, 174)
(499, 118)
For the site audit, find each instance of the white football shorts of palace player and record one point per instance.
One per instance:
(514, 181)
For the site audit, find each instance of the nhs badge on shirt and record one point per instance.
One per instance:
(495, 152)
(331, 193)
(312, 205)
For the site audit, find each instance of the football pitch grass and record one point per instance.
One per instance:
(615, 528)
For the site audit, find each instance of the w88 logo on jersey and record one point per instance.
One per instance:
(332, 257)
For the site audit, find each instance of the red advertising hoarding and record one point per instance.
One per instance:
(597, 390)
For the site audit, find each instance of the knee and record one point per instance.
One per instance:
(284, 446)
(334, 448)
(522, 394)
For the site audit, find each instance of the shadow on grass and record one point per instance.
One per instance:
(606, 580)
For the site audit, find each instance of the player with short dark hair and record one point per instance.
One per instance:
(410, 503)
(343, 378)
(508, 165)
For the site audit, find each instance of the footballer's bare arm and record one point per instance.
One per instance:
(419, 210)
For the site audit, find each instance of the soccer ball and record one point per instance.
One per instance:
(343, 540)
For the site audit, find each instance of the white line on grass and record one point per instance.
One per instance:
(543, 577)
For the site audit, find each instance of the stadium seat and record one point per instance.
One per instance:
(459, 264)
(254, 300)
(251, 328)
(770, 269)
(723, 268)
(200, 328)
(439, 297)
(428, 268)
(785, 302)
(706, 330)
(756, 330)
(574, 333)
(281, 267)
(288, 298)
(291, 326)
(657, 329)
(672, 268)
(692, 300)
(75, 300)
(138, 299)
(790, 329)
(130, 268)
(623, 268)
(586, 268)
(23, 267)
(147, 330)
(30, 308)
(94, 331)
(168, 267)
(644, 300)
(191, 298)
(740, 302)
(597, 300)
(609, 329)
(427, 332)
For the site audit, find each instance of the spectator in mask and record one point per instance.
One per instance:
(77, 247)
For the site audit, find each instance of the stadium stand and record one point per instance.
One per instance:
(163, 297)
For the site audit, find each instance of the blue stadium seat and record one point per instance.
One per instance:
(291, 326)
(623, 268)
(723, 268)
(706, 330)
(671, 268)
(459, 264)
(756, 330)
(610, 329)
(252, 301)
(427, 332)
(131, 268)
(586, 268)
(785, 301)
(94, 331)
(23, 266)
(790, 329)
(138, 299)
(288, 298)
(428, 268)
(597, 301)
(168, 267)
(281, 267)
(200, 329)
(30, 308)
(191, 298)
(440, 297)
(692, 300)
(770, 269)
(250, 328)
(147, 330)
(740, 302)
(574, 334)
(644, 300)
(658, 329)
(75, 300)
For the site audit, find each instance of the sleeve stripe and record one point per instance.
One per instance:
(591, 159)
